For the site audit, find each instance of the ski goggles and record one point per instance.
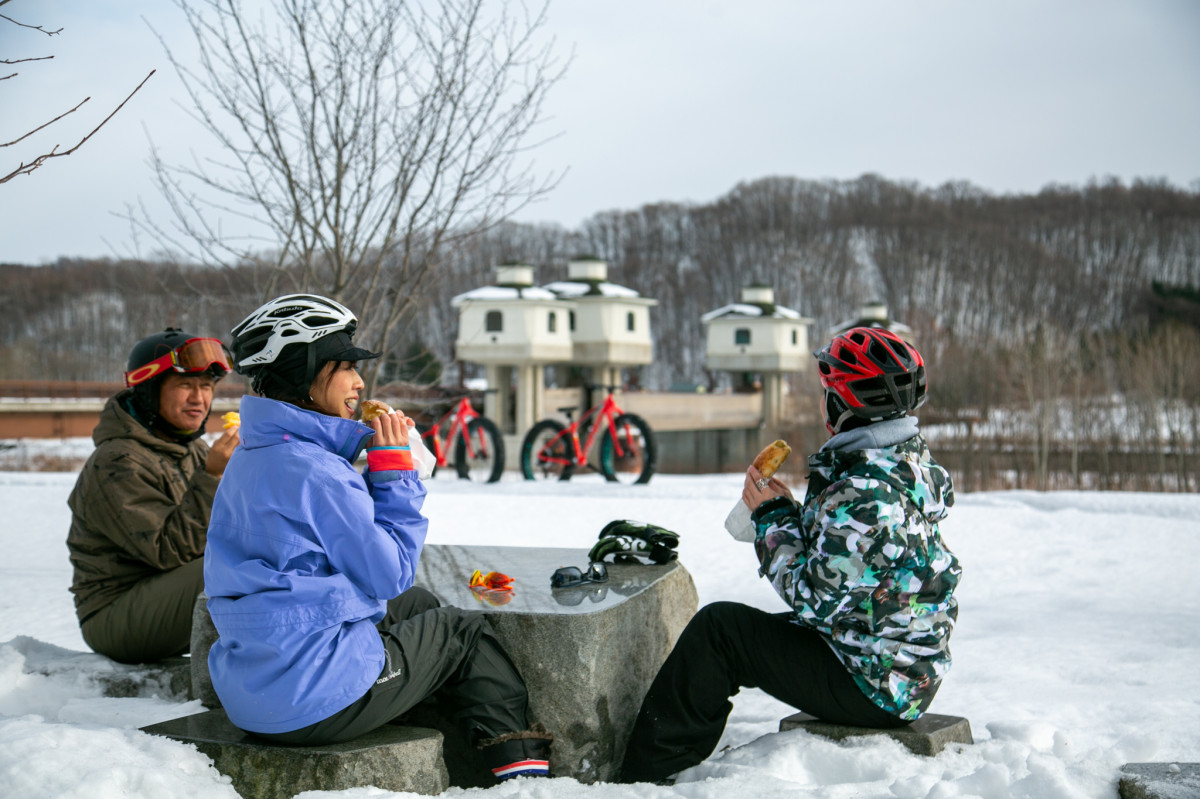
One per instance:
(193, 355)
(569, 576)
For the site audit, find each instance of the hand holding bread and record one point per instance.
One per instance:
(391, 425)
(373, 409)
(772, 457)
(761, 484)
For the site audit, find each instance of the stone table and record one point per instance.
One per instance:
(588, 654)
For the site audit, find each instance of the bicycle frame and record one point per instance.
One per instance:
(607, 411)
(459, 416)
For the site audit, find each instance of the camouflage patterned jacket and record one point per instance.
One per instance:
(862, 561)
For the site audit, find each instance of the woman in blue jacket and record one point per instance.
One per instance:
(309, 565)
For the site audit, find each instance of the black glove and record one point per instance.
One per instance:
(625, 540)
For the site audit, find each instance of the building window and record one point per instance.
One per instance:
(494, 322)
(552, 322)
(629, 322)
(795, 337)
(571, 320)
(741, 335)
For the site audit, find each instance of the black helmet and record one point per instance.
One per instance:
(175, 351)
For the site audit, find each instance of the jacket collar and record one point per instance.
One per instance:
(117, 422)
(266, 422)
(887, 433)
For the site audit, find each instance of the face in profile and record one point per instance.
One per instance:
(185, 399)
(335, 391)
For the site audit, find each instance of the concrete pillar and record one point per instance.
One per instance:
(530, 396)
(772, 399)
(608, 375)
(498, 403)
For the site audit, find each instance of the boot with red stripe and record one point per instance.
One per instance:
(518, 754)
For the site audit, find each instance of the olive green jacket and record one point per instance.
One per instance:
(139, 508)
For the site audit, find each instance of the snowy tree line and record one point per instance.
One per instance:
(1074, 295)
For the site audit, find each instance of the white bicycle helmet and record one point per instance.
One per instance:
(292, 319)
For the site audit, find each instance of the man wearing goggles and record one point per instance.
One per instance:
(141, 504)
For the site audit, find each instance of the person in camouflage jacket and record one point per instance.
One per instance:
(860, 563)
(863, 563)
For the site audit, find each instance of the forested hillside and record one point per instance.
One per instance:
(1075, 293)
(962, 267)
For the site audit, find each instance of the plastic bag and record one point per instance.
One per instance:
(423, 460)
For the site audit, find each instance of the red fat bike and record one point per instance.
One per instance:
(626, 452)
(478, 444)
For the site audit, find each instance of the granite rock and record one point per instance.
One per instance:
(928, 735)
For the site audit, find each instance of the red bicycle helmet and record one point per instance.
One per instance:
(870, 374)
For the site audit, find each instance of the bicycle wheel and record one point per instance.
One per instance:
(479, 455)
(544, 454)
(636, 460)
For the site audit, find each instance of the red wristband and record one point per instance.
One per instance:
(386, 460)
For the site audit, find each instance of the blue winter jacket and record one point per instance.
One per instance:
(303, 554)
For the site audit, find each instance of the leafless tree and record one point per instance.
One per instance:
(359, 143)
(27, 167)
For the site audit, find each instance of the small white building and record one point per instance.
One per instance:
(873, 314)
(758, 336)
(609, 324)
(513, 321)
(514, 327)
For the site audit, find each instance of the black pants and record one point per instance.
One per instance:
(725, 647)
(445, 652)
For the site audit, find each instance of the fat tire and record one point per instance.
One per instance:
(492, 432)
(528, 467)
(649, 453)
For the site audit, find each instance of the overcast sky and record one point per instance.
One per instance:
(680, 100)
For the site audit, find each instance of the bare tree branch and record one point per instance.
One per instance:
(31, 27)
(357, 142)
(47, 124)
(26, 168)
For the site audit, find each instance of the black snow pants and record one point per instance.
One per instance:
(725, 647)
(437, 651)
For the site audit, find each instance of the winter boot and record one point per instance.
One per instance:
(518, 754)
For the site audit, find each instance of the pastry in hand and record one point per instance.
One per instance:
(373, 409)
(231, 420)
(772, 457)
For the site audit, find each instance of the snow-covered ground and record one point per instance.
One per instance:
(1076, 650)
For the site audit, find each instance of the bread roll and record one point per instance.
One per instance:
(232, 419)
(372, 409)
(772, 457)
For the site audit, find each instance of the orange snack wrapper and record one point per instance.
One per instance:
(492, 581)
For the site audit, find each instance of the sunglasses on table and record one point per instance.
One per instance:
(568, 576)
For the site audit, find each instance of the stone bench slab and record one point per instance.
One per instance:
(928, 735)
(1159, 780)
(392, 757)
